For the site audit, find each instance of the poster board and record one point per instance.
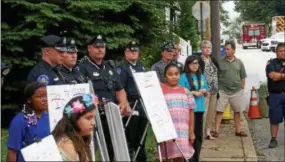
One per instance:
(45, 150)
(155, 105)
(58, 96)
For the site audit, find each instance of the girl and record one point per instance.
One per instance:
(193, 80)
(73, 131)
(32, 124)
(180, 103)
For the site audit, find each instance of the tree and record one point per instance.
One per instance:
(234, 29)
(24, 22)
(260, 11)
(188, 24)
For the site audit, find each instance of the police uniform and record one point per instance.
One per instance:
(72, 76)
(138, 122)
(43, 72)
(276, 89)
(160, 65)
(105, 82)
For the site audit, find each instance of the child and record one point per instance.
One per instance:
(32, 124)
(196, 82)
(73, 131)
(180, 103)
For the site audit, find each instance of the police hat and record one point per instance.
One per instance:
(71, 46)
(4, 69)
(168, 46)
(133, 46)
(97, 41)
(55, 42)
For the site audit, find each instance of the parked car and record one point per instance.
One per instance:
(269, 44)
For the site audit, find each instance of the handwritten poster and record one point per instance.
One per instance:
(45, 150)
(58, 96)
(155, 105)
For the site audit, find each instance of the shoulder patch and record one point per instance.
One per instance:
(76, 68)
(43, 79)
(119, 70)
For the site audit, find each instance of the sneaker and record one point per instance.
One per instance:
(210, 137)
(273, 143)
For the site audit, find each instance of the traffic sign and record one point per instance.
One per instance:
(196, 10)
(203, 24)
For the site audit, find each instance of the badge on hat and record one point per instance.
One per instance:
(133, 43)
(96, 74)
(99, 37)
(110, 72)
(119, 70)
(72, 42)
(43, 79)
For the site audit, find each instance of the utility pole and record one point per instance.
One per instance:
(215, 28)
(208, 27)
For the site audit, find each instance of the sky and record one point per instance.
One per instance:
(229, 6)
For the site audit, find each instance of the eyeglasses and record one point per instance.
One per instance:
(194, 63)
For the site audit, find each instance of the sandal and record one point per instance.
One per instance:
(215, 134)
(241, 134)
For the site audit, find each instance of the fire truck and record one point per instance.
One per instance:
(252, 34)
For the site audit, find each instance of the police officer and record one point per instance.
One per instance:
(4, 71)
(105, 81)
(167, 50)
(138, 122)
(176, 53)
(69, 71)
(46, 70)
(275, 71)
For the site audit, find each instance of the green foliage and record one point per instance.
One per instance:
(260, 11)
(188, 24)
(25, 21)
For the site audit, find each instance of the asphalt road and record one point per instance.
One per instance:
(255, 62)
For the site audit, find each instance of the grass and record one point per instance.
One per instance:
(4, 138)
(150, 145)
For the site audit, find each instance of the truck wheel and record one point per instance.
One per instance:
(244, 47)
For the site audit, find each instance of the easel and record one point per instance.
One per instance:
(99, 133)
(146, 128)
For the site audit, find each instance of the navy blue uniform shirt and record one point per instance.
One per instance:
(127, 80)
(45, 73)
(72, 76)
(104, 78)
(22, 135)
(275, 65)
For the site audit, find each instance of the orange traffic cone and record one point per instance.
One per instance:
(253, 112)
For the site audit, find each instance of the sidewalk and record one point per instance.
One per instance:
(228, 147)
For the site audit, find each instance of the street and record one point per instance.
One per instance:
(255, 62)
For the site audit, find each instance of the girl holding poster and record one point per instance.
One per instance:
(73, 131)
(32, 124)
(195, 81)
(180, 103)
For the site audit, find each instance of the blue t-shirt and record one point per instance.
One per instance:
(200, 101)
(20, 135)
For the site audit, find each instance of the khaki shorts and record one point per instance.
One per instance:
(235, 100)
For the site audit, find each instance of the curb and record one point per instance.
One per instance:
(247, 142)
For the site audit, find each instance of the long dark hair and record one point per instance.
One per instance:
(68, 126)
(187, 71)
